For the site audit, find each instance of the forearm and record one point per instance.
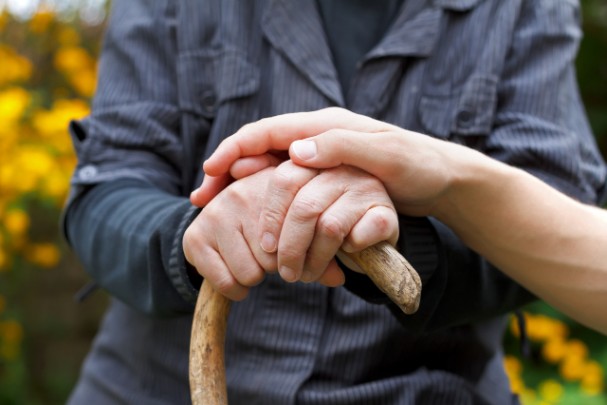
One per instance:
(126, 234)
(541, 238)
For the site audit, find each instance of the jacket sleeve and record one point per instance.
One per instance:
(127, 211)
(539, 126)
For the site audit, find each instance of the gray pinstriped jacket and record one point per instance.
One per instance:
(176, 77)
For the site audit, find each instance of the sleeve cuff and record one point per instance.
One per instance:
(182, 274)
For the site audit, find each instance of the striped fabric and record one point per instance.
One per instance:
(177, 77)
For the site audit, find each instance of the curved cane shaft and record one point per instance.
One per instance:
(207, 366)
(391, 272)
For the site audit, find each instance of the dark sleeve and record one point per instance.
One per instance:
(126, 213)
(128, 235)
(540, 126)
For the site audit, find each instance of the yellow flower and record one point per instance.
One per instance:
(56, 185)
(593, 380)
(41, 20)
(84, 82)
(13, 103)
(577, 348)
(551, 391)
(541, 328)
(16, 222)
(14, 67)
(512, 365)
(56, 120)
(514, 368)
(554, 350)
(572, 368)
(44, 255)
(71, 59)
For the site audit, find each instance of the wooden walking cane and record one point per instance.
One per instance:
(384, 265)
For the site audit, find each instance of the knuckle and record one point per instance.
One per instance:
(385, 221)
(224, 285)
(282, 178)
(251, 278)
(271, 216)
(331, 227)
(381, 221)
(305, 208)
(290, 255)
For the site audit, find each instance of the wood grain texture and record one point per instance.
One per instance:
(207, 365)
(392, 274)
(384, 265)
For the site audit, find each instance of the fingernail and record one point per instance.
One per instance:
(305, 150)
(268, 242)
(287, 274)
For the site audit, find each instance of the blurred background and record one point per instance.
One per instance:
(48, 52)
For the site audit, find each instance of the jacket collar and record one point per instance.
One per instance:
(294, 27)
(413, 33)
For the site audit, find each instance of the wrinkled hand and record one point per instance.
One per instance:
(307, 215)
(290, 218)
(221, 243)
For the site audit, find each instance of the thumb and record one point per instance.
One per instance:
(337, 147)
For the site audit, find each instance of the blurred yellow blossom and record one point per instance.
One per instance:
(541, 327)
(550, 391)
(45, 255)
(41, 20)
(554, 350)
(514, 368)
(56, 185)
(577, 348)
(84, 82)
(572, 368)
(14, 67)
(72, 59)
(16, 222)
(13, 102)
(55, 121)
(79, 68)
(593, 379)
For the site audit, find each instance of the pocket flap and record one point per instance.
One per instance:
(208, 78)
(470, 111)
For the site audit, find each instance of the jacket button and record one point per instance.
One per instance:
(465, 118)
(87, 172)
(208, 101)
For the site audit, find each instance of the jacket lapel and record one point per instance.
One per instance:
(413, 33)
(294, 28)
